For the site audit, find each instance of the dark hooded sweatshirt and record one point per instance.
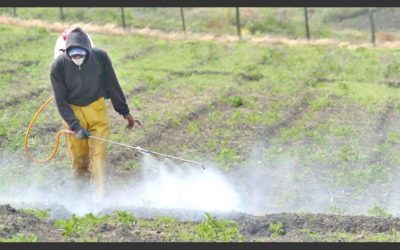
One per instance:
(84, 84)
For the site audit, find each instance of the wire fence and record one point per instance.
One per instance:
(308, 23)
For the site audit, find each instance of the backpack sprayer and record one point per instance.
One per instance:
(57, 143)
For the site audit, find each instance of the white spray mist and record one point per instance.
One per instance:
(163, 185)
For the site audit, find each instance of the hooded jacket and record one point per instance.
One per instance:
(84, 84)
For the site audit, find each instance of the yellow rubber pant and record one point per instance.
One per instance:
(88, 156)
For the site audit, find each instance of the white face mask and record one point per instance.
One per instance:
(78, 61)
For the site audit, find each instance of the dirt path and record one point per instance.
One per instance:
(112, 29)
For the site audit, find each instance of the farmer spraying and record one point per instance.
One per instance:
(82, 77)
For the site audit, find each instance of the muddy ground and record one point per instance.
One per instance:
(297, 227)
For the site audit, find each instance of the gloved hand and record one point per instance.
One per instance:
(131, 121)
(82, 133)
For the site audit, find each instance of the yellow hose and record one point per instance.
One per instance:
(30, 157)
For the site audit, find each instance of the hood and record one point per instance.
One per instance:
(78, 38)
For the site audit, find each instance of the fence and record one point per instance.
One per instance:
(254, 27)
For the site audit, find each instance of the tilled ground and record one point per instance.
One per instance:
(297, 227)
(13, 222)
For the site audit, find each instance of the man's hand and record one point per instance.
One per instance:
(82, 134)
(131, 121)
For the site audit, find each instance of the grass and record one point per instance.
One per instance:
(219, 100)
(86, 228)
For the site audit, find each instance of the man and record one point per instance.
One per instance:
(82, 77)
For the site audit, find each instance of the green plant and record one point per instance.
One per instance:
(212, 229)
(320, 103)
(236, 101)
(276, 229)
(42, 214)
(20, 238)
(124, 218)
(227, 156)
(379, 212)
(194, 127)
(76, 227)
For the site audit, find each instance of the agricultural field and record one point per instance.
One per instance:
(299, 143)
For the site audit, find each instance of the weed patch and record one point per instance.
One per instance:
(212, 229)
(276, 229)
(77, 227)
(42, 214)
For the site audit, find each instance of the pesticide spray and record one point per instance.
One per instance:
(172, 183)
(167, 183)
(163, 187)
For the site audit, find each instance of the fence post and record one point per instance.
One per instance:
(306, 22)
(15, 11)
(371, 20)
(123, 17)
(61, 14)
(238, 23)
(183, 20)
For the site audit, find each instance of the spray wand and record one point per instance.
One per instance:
(142, 150)
(138, 148)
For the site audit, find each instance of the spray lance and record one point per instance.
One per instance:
(58, 135)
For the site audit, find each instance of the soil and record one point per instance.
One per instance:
(14, 222)
(295, 224)
(254, 228)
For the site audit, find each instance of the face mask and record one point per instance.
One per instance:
(78, 61)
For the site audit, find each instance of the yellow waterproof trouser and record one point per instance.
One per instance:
(88, 156)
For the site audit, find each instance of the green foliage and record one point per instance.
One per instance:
(228, 156)
(124, 218)
(393, 137)
(347, 153)
(290, 134)
(343, 130)
(236, 101)
(194, 127)
(383, 237)
(42, 214)
(341, 236)
(276, 229)
(379, 212)
(76, 227)
(214, 230)
(362, 177)
(320, 103)
(20, 238)
(393, 71)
